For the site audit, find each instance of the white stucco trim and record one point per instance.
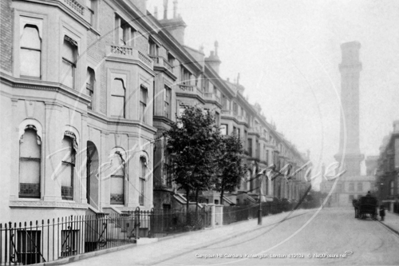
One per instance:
(73, 130)
(119, 150)
(24, 124)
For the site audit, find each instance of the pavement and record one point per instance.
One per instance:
(167, 247)
(391, 220)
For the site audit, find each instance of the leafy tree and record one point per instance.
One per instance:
(192, 144)
(230, 169)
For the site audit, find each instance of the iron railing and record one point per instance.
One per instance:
(50, 240)
(166, 222)
(396, 207)
(232, 214)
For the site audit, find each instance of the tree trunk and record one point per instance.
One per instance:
(187, 206)
(196, 204)
(221, 194)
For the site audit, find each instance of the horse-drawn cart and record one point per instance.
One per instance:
(365, 206)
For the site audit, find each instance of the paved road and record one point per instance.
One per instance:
(331, 232)
(306, 238)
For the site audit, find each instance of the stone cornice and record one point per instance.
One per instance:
(34, 84)
(120, 122)
(162, 119)
(61, 4)
(233, 118)
(130, 61)
(189, 95)
(214, 102)
(163, 69)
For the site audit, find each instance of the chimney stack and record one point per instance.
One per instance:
(213, 60)
(165, 9)
(175, 25)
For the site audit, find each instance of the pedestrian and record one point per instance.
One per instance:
(382, 212)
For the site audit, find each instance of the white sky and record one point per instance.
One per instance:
(288, 51)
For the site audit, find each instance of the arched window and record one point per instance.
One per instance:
(143, 170)
(118, 95)
(68, 165)
(69, 58)
(30, 51)
(117, 179)
(29, 164)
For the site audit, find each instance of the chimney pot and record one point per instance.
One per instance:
(396, 126)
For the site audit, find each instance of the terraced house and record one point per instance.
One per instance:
(76, 103)
(88, 88)
(387, 170)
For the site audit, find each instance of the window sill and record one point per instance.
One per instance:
(37, 203)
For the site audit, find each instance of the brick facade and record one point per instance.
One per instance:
(6, 21)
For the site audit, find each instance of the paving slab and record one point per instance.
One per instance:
(392, 221)
(168, 246)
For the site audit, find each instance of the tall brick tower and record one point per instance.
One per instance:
(349, 150)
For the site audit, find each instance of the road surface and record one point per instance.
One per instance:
(330, 237)
(326, 237)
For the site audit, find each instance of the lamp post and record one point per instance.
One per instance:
(260, 200)
(260, 175)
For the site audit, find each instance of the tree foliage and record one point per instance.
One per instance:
(192, 144)
(199, 157)
(230, 169)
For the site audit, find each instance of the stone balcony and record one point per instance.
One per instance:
(159, 61)
(212, 96)
(126, 52)
(75, 5)
(192, 89)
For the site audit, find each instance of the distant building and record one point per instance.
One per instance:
(352, 184)
(388, 168)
